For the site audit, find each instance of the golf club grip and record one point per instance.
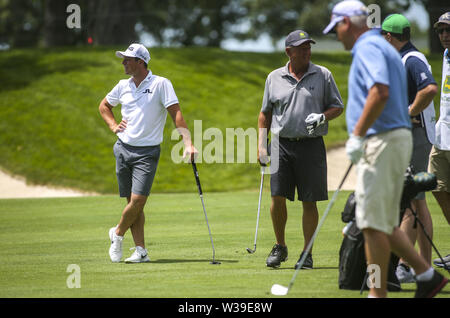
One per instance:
(197, 179)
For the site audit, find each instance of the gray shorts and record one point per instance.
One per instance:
(302, 166)
(135, 168)
(421, 153)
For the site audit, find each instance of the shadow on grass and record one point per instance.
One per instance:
(170, 261)
(305, 270)
(23, 67)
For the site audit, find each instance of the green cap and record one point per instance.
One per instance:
(395, 23)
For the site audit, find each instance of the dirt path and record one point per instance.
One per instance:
(13, 187)
(338, 163)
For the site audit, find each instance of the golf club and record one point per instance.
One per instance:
(280, 290)
(445, 266)
(251, 251)
(197, 179)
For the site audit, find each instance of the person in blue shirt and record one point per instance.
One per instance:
(380, 145)
(422, 88)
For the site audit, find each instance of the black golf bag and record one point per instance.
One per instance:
(352, 258)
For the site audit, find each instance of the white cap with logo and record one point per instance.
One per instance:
(135, 50)
(347, 8)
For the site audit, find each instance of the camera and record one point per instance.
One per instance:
(414, 184)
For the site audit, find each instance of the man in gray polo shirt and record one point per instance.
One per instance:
(299, 100)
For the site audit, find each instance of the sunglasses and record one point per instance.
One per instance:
(441, 30)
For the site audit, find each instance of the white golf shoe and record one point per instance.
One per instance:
(115, 250)
(140, 255)
(405, 274)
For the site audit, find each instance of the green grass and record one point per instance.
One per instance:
(42, 237)
(52, 134)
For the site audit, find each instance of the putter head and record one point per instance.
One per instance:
(250, 250)
(215, 263)
(279, 290)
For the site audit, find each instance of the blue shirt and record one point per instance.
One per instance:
(376, 61)
(417, 73)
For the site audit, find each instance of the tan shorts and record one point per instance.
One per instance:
(380, 179)
(440, 165)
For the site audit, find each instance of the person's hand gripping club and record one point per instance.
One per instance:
(354, 148)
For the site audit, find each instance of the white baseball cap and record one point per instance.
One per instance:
(347, 8)
(135, 50)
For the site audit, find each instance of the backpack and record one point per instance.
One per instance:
(352, 258)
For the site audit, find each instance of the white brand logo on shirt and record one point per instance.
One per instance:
(423, 76)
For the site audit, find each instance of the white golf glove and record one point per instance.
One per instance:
(313, 121)
(354, 148)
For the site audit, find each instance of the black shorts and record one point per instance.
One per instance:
(303, 165)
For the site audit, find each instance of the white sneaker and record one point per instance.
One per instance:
(115, 250)
(405, 274)
(140, 255)
(438, 261)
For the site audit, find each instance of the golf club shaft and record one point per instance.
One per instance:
(309, 246)
(429, 238)
(209, 230)
(197, 179)
(259, 205)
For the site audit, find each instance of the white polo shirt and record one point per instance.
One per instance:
(144, 108)
(443, 124)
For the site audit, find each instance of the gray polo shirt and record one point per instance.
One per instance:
(291, 101)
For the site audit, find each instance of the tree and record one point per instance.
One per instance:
(43, 22)
(276, 19)
(279, 18)
(177, 22)
(106, 22)
(112, 22)
(54, 30)
(20, 22)
(435, 9)
(191, 22)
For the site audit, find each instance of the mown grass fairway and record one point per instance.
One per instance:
(42, 237)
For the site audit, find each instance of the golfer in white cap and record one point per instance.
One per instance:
(145, 98)
(380, 145)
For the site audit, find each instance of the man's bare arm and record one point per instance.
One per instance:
(107, 114)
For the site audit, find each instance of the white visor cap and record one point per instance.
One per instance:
(135, 50)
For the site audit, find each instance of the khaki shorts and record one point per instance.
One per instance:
(380, 180)
(440, 165)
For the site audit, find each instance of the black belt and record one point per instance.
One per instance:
(296, 138)
(417, 125)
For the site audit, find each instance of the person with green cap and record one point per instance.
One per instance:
(422, 88)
